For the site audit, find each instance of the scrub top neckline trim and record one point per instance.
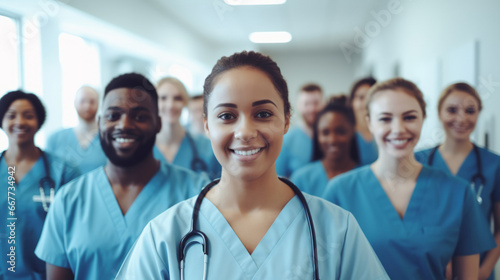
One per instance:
(439, 157)
(122, 221)
(182, 147)
(412, 210)
(28, 174)
(94, 139)
(251, 263)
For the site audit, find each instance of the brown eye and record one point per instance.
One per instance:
(452, 110)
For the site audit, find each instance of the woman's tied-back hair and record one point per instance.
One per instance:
(396, 84)
(251, 59)
(464, 87)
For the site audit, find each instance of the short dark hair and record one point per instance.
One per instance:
(133, 81)
(364, 81)
(336, 105)
(252, 59)
(311, 87)
(12, 96)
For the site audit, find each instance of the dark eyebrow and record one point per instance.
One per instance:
(261, 102)
(138, 108)
(409, 112)
(231, 105)
(385, 113)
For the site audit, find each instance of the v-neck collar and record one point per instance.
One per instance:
(463, 167)
(75, 138)
(413, 208)
(36, 167)
(182, 147)
(123, 221)
(251, 263)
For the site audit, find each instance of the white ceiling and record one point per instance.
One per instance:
(315, 25)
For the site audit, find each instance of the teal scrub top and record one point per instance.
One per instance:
(490, 192)
(311, 179)
(28, 217)
(86, 231)
(368, 151)
(283, 253)
(185, 156)
(65, 145)
(295, 152)
(442, 220)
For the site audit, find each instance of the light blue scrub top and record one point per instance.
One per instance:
(368, 151)
(185, 155)
(442, 220)
(65, 145)
(312, 178)
(295, 152)
(86, 230)
(30, 216)
(491, 171)
(283, 253)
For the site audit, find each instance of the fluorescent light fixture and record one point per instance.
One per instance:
(254, 2)
(270, 37)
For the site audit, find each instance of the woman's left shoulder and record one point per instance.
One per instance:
(325, 210)
(489, 156)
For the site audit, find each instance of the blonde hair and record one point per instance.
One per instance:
(395, 84)
(459, 87)
(178, 84)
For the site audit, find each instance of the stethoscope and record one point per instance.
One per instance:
(42, 183)
(478, 176)
(197, 164)
(184, 244)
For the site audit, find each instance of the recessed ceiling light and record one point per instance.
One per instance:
(270, 37)
(254, 2)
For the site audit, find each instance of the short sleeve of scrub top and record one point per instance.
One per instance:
(86, 230)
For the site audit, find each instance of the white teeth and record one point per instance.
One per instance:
(246, 153)
(124, 140)
(399, 142)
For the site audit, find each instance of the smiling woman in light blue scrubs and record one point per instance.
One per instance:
(25, 198)
(458, 108)
(334, 147)
(255, 224)
(416, 218)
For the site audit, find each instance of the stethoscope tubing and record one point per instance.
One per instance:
(478, 176)
(197, 164)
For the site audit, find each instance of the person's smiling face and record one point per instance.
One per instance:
(396, 120)
(20, 122)
(335, 135)
(128, 126)
(459, 114)
(170, 102)
(245, 122)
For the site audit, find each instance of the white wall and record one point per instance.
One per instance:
(422, 34)
(328, 69)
